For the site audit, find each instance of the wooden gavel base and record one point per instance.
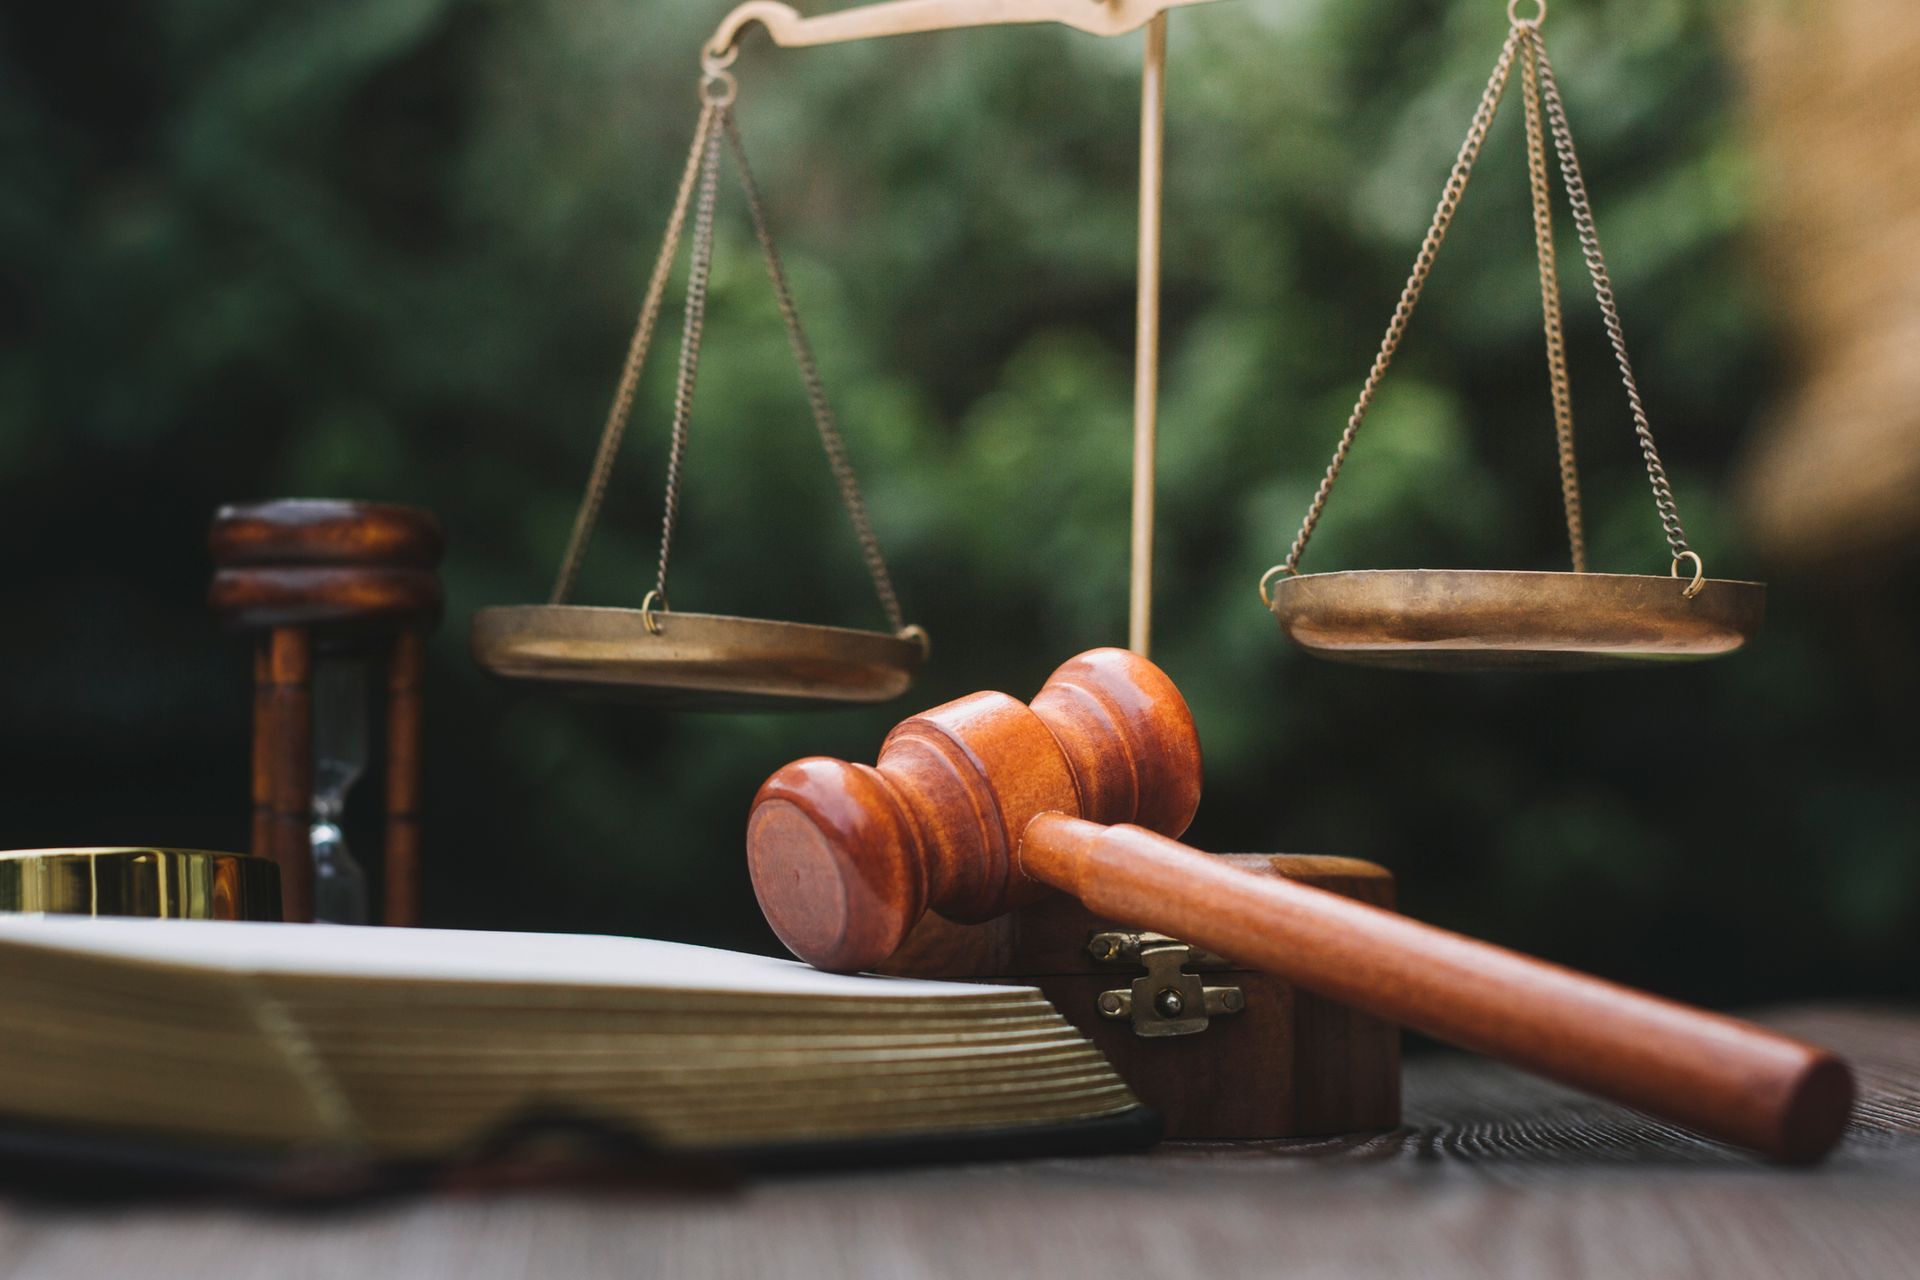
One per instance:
(1289, 1064)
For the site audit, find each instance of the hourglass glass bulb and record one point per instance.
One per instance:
(339, 757)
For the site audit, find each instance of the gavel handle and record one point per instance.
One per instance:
(1716, 1075)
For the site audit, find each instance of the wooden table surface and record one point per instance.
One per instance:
(1493, 1175)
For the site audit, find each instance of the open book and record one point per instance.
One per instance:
(411, 1044)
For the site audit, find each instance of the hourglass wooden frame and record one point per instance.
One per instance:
(306, 575)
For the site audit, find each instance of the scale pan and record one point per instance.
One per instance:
(697, 661)
(1482, 620)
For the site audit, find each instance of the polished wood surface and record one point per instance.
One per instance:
(1477, 619)
(309, 595)
(1494, 1176)
(406, 673)
(287, 761)
(1716, 1075)
(1289, 1064)
(326, 531)
(308, 576)
(978, 805)
(845, 858)
(313, 561)
(1050, 936)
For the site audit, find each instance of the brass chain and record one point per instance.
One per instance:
(1542, 93)
(1538, 176)
(1410, 295)
(823, 416)
(699, 275)
(702, 173)
(1610, 311)
(622, 409)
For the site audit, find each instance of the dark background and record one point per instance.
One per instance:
(391, 249)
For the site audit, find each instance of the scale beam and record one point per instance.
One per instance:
(1097, 17)
(906, 17)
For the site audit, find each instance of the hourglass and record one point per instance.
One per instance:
(334, 590)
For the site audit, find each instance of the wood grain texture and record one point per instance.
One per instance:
(287, 758)
(1290, 1064)
(1050, 936)
(362, 597)
(319, 575)
(846, 858)
(1495, 1176)
(300, 562)
(1716, 1075)
(291, 531)
(406, 672)
(977, 806)
(261, 758)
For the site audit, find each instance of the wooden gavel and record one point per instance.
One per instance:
(980, 805)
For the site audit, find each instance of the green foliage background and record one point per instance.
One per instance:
(392, 249)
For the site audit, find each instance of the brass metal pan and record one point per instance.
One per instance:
(1466, 619)
(693, 661)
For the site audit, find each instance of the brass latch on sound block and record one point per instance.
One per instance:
(1166, 1000)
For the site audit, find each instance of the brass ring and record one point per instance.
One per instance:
(918, 634)
(713, 61)
(1699, 573)
(718, 88)
(1539, 14)
(646, 611)
(1266, 581)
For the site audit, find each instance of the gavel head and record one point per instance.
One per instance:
(845, 858)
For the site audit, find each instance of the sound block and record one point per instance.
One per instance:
(1219, 1051)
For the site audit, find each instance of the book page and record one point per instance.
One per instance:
(456, 955)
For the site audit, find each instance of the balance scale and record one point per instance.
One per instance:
(1418, 618)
